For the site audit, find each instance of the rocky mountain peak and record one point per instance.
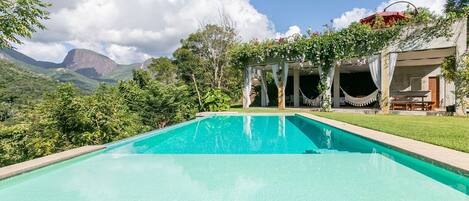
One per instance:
(88, 62)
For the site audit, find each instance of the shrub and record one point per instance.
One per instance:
(215, 100)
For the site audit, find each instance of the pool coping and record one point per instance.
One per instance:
(449, 158)
(27, 166)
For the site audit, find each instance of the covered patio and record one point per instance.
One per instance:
(401, 77)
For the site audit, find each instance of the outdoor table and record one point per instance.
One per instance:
(422, 102)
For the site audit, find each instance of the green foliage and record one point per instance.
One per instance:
(164, 70)
(456, 6)
(458, 72)
(20, 88)
(325, 50)
(20, 18)
(158, 104)
(423, 128)
(215, 100)
(66, 119)
(203, 60)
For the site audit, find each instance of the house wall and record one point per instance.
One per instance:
(458, 38)
(403, 76)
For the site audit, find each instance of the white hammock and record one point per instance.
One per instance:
(311, 102)
(360, 102)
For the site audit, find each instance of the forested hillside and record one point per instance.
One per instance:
(20, 88)
(41, 116)
(166, 92)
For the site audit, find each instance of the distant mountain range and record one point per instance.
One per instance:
(83, 67)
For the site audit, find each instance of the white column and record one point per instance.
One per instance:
(296, 87)
(337, 87)
(385, 85)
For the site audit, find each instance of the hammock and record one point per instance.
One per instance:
(311, 102)
(360, 102)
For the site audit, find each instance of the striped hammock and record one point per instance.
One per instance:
(361, 102)
(316, 102)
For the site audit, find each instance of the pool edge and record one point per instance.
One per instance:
(31, 165)
(451, 159)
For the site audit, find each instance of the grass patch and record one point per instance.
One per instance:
(451, 132)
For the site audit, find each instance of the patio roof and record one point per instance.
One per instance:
(389, 18)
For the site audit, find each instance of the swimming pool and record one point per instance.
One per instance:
(241, 158)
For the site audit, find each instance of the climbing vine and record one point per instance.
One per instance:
(324, 50)
(458, 72)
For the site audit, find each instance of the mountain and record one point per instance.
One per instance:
(19, 88)
(49, 69)
(89, 63)
(9, 53)
(83, 67)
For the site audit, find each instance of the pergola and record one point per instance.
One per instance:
(381, 66)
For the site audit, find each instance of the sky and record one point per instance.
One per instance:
(133, 31)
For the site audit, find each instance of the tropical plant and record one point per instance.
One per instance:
(66, 119)
(158, 104)
(215, 100)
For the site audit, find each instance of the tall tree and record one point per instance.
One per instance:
(203, 59)
(456, 6)
(163, 70)
(211, 44)
(463, 3)
(20, 18)
(450, 6)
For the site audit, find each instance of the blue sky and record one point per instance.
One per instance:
(130, 31)
(308, 13)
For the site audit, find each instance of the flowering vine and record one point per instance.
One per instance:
(324, 50)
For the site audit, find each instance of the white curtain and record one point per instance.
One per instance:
(274, 73)
(265, 94)
(247, 87)
(275, 69)
(374, 63)
(392, 66)
(285, 75)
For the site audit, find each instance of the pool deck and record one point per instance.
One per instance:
(27, 166)
(452, 159)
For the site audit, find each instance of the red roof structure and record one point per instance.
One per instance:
(389, 18)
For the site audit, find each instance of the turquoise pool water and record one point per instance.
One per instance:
(241, 158)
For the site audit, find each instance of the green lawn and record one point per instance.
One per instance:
(451, 132)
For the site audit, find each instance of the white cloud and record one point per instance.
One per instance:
(53, 52)
(436, 6)
(121, 54)
(131, 30)
(350, 16)
(292, 30)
